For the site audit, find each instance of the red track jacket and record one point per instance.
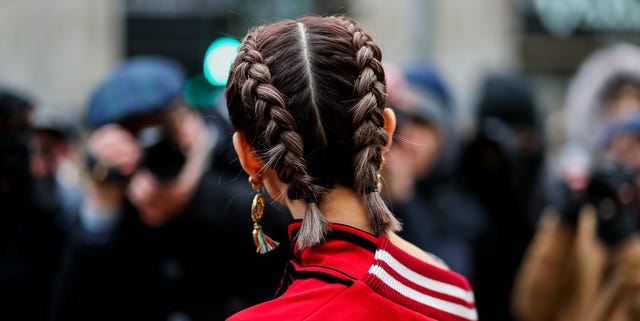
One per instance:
(357, 276)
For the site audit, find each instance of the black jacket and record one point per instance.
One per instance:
(200, 266)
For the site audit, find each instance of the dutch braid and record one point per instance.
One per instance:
(285, 146)
(369, 137)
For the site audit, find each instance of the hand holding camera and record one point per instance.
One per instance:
(614, 195)
(150, 162)
(610, 189)
(116, 154)
(113, 148)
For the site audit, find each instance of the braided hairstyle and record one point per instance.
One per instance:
(309, 96)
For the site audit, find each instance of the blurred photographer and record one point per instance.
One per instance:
(30, 236)
(157, 221)
(584, 261)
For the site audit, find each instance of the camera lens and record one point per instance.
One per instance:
(162, 155)
(609, 187)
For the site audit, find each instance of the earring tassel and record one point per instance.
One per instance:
(264, 244)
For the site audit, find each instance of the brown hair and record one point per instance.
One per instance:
(309, 95)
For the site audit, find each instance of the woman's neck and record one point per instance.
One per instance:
(339, 205)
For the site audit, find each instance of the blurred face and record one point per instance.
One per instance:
(528, 140)
(421, 143)
(626, 149)
(414, 152)
(626, 102)
(49, 151)
(158, 201)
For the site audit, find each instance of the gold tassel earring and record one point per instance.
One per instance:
(264, 244)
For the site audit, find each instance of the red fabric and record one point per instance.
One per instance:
(357, 276)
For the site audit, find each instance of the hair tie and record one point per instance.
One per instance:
(371, 189)
(311, 200)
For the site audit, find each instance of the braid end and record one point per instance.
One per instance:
(381, 218)
(314, 227)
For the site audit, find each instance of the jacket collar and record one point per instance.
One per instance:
(346, 249)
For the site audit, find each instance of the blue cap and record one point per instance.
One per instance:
(139, 85)
(627, 125)
(423, 76)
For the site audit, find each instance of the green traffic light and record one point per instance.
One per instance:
(218, 60)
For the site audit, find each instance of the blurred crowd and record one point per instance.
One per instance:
(142, 211)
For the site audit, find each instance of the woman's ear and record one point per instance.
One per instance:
(248, 158)
(389, 124)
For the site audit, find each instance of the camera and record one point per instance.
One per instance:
(611, 189)
(162, 155)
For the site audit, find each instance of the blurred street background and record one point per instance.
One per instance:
(511, 114)
(58, 50)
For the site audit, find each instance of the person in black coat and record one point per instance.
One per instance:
(160, 234)
(30, 236)
(501, 168)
